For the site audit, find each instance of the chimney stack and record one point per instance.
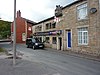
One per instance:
(18, 13)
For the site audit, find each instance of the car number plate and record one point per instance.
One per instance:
(40, 46)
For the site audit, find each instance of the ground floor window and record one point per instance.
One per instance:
(47, 39)
(54, 40)
(83, 36)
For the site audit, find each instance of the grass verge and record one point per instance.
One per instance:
(2, 50)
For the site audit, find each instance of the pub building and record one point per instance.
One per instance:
(48, 30)
(50, 38)
(74, 27)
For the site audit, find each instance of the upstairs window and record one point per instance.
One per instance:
(54, 25)
(38, 28)
(82, 11)
(48, 26)
(51, 25)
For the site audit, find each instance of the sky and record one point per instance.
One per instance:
(35, 10)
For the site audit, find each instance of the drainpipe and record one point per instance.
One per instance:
(99, 4)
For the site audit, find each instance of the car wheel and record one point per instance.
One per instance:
(33, 47)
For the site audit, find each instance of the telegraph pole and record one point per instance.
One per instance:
(14, 32)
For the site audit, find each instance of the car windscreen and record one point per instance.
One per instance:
(33, 40)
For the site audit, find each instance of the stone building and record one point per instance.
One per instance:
(77, 29)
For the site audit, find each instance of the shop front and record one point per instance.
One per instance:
(52, 39)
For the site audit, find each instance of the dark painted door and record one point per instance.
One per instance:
(60, 43)
(69, 39)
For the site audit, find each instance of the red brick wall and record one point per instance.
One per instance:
(21, 27)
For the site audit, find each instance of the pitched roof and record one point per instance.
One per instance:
(75, 2)
(29, 21)
(45, 20)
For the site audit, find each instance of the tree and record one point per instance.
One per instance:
(5, 29)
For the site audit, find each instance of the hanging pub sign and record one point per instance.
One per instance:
(58, 11)
(54, 32)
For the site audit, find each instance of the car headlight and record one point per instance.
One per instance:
(36, 43)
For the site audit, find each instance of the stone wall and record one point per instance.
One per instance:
(70, 22)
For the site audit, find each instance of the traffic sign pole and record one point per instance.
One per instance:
(14, 41)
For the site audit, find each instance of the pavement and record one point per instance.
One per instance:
(23, 67)
(80, 55)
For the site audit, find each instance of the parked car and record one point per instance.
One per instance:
(34, 43)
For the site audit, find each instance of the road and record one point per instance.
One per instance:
(61, 63)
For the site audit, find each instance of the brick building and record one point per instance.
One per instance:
(23, 28)
(77, 29)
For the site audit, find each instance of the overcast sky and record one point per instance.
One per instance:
(35, 10)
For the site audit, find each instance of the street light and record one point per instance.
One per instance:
(14, 41)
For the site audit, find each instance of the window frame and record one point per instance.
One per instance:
(54, 25)
(54, 40)
(47, 39)
(82, 38)
(47, 26)
(81, 7)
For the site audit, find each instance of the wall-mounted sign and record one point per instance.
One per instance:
(23, 36)
(54, 32)
(29, 28)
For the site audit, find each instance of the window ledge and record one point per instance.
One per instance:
(83, 45)
(81, 20)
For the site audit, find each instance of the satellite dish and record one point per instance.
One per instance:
(93, 10)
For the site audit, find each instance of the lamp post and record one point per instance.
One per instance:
(14, 41)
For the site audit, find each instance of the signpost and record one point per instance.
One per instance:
(14, 42)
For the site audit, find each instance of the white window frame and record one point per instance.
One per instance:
(81, 8)
(82, 39)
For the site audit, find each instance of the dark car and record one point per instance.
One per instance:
(34, 43)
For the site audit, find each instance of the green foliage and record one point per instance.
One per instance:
(5, 29)
(2, 50)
